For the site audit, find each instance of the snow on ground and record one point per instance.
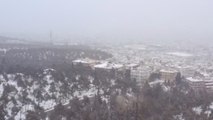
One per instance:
(179, 54)
(3, 50)
(48, 78)
(197, 110)
(211, 106)
(107, 65)
(1, 89)
(208, 112)
(10, 105)
(14, 83)
(21, 115)
(47, 104)
(2, 78)
(112, 82)
(136, 47)
(156, 82)
(178, 117)
(89, 93)
(166, 88)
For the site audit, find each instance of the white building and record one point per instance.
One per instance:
(140, 73)
(199, 84)
(109, 66)
(112, 70)
(168, 76)
(196, 84)
(209, 85)
(85, 62)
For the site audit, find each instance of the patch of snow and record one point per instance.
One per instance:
(191, 79)
(178, 117)
(3, 50)
(156, 82)
(180, 54)
(47, 104)
(107, 65)
(1, 89)
(197, 110)
(211, 106)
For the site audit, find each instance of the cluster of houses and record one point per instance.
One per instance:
(105, 68)
(142, 73)
(132, 71)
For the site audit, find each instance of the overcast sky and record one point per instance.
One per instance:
(110, 19)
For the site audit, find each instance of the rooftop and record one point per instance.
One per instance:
(168, 71)
(84, 61)
(107, 65)
(191, 79)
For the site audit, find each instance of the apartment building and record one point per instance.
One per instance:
(169, 76)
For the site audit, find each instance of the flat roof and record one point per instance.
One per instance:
(107, 65)
(168, 71)
(84, 61)
(191, 79)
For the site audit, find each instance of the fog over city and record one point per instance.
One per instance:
(108, 20)
(106, 60)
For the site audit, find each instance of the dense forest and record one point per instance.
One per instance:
(38, 57)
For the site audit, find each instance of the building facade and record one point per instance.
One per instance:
(200, 84)
(169, 76)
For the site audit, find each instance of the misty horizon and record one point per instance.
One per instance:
(164, 20)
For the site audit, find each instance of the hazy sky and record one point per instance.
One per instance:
(110, 19)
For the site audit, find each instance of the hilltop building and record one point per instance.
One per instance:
(139, 73)
(111, 70)
(169, 76)
(85, 62)
(200, 84)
